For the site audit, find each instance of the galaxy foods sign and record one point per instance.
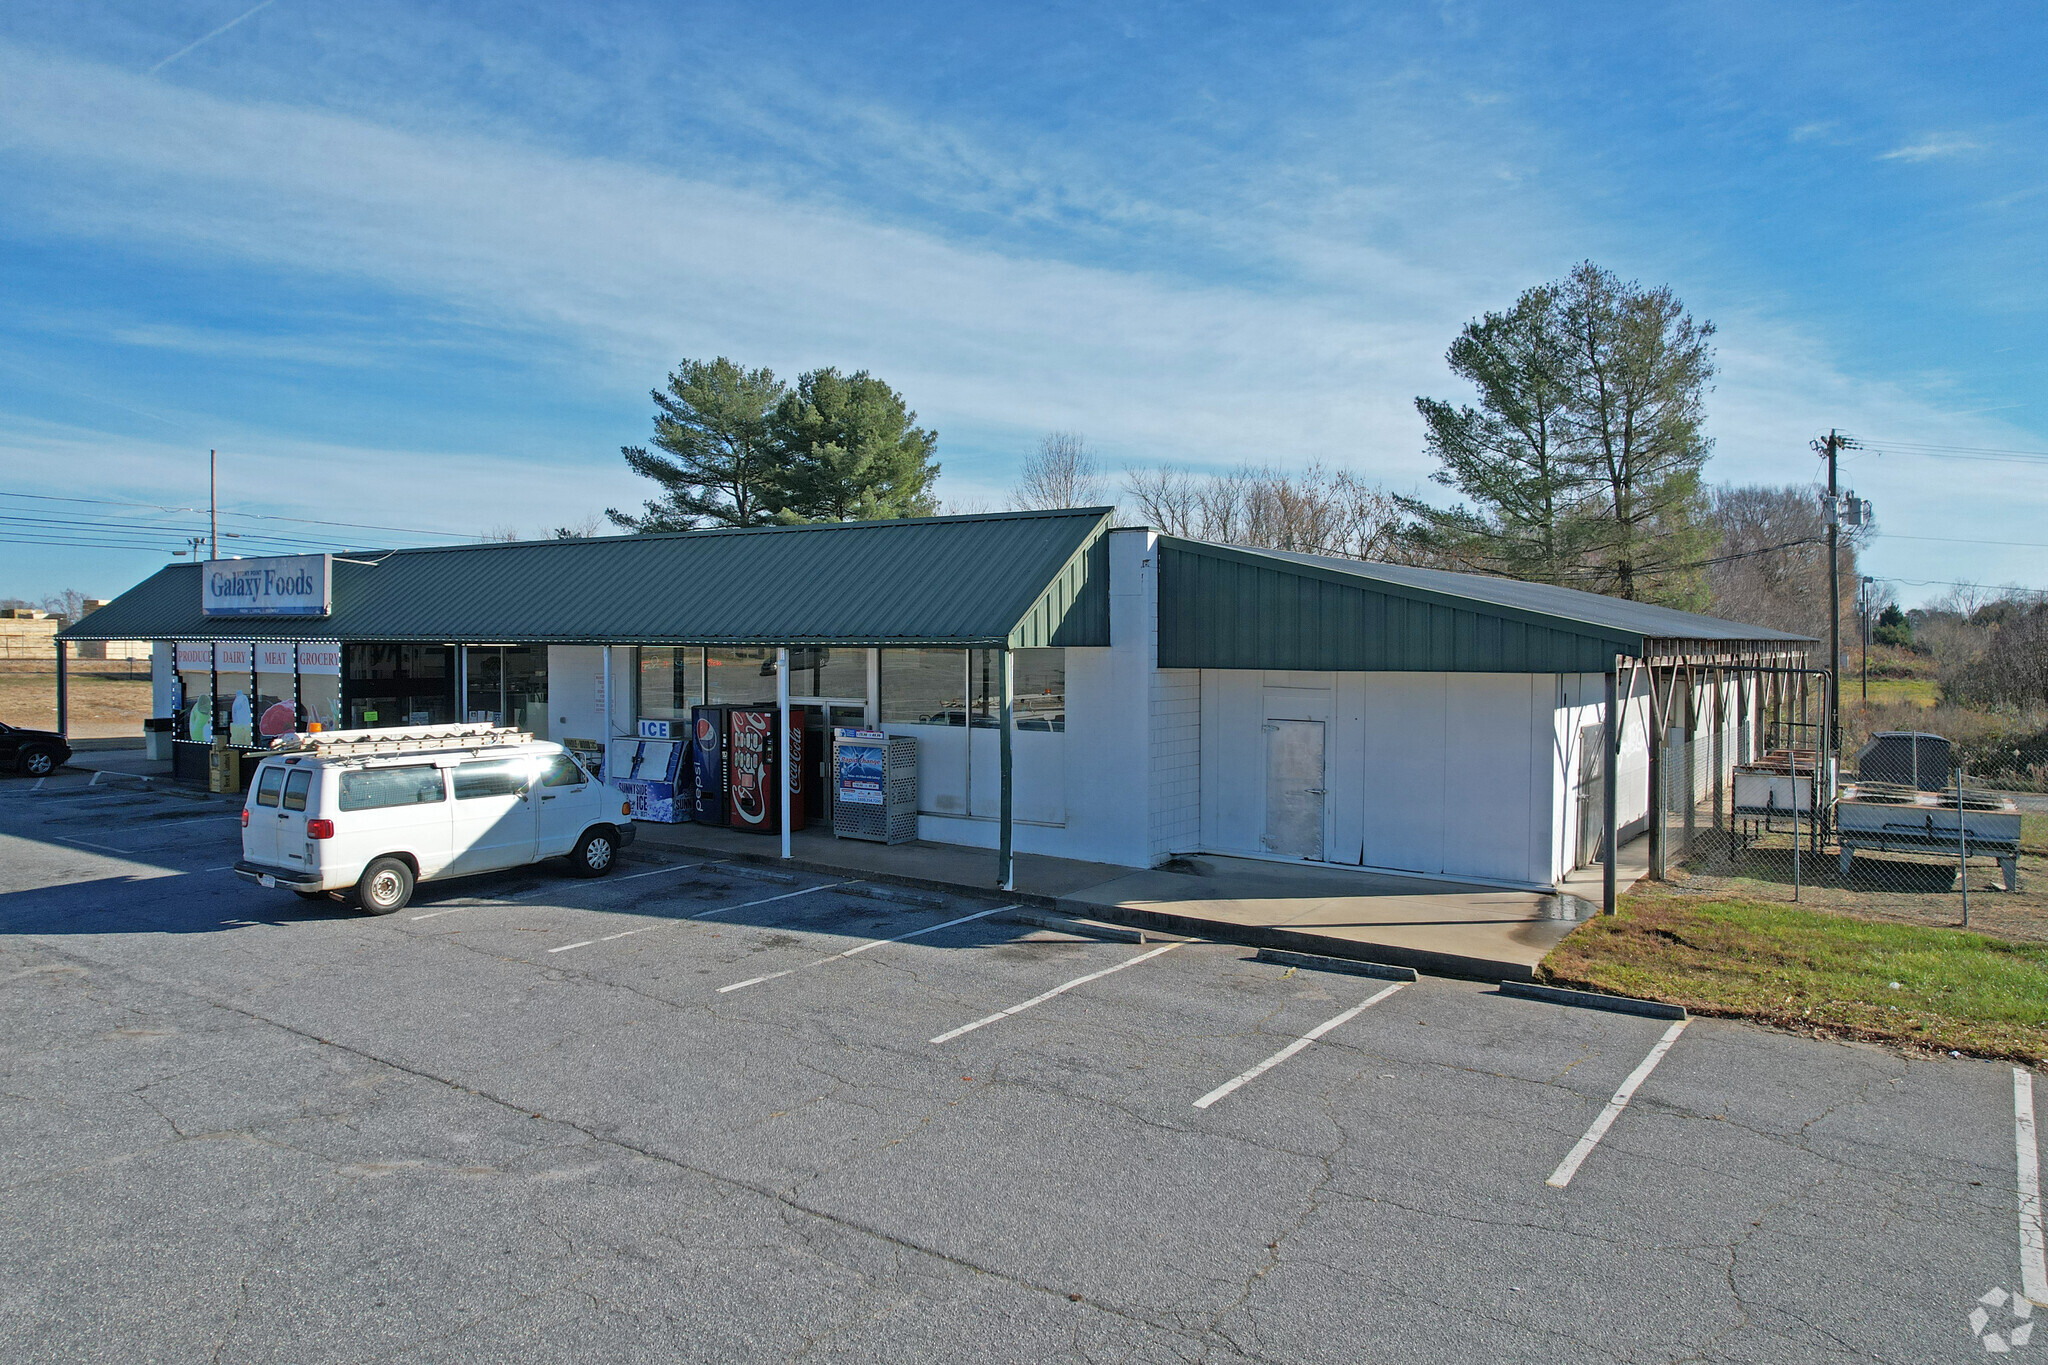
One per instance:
(289, 585)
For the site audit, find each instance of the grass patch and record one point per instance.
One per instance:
(1817, 973)
(1892, 691)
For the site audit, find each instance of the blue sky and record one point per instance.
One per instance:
(416, 266)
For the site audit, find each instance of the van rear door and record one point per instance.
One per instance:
(291, 816)
(259, 834)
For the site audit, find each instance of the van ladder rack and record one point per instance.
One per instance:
(399, 740)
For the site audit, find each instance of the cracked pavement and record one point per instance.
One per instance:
(235, 1127)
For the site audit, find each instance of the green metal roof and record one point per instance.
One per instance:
(1022, 579)
(1225, 607)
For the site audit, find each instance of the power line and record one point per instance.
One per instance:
(1936, 448)
(258, 516)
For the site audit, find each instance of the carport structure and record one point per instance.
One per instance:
(1301, 617)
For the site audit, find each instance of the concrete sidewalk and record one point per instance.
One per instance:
(1445, 928)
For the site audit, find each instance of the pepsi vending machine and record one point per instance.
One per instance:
(707, 766)
(754, 768)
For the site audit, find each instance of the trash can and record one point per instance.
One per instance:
(156, 737)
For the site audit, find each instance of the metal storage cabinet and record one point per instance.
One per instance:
(874, 786)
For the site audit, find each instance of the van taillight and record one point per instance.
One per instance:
(245, 817)
(319, 829)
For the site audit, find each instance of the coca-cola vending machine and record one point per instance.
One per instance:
(753, 769)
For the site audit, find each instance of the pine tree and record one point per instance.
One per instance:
(847, 448)
(719, 467)
(1511, 455)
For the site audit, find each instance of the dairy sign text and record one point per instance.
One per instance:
(288, 585)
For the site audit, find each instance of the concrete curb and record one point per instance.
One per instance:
(1300, 941)
(1321, 963)
(1085, 928)
(830, 869)
(897, 895)
(1593, 1000)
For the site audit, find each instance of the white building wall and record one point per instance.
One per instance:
(1088, 793)
(578, 706)
(1445, 774)
(1176, 795)
(163, 678)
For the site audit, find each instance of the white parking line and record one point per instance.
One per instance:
(543, 890)
(863, 947)
(1569, 1167)
(1297, 1045)
(67, 839)
(2026, 1142)
(715, 910)
(1000, 1015)
(629, 877)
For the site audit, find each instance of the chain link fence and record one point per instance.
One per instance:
(1759, 808)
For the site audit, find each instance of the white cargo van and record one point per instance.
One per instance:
(374, 812)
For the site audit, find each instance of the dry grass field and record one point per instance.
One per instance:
(102, 706)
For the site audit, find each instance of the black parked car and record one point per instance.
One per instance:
(32, 753)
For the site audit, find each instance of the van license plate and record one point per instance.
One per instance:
(266, 879)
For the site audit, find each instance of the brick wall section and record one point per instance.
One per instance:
(1176, 761)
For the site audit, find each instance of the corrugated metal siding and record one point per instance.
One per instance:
(926, 581)
(1074, 608)
(1223, 609)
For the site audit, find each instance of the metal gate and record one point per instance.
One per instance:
(1294, 788)
(1591, 791)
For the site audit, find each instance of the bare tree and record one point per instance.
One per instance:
(507, 533)
(1062, 472)
(583, 528)
(1312, 511)
(1770, 567)
(1167, 499)
(69, 604)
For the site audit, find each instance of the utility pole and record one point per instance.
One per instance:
(213, 497)
(1831, 450)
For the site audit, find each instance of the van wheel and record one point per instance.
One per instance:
(386, 886)
(594, 852)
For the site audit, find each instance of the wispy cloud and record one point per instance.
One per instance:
(1932, 148)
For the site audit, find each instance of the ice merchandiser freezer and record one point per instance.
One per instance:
(755, 770)
(655, 773)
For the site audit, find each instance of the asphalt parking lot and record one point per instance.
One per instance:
(710, 1111)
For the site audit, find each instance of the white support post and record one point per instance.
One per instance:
(783, 765)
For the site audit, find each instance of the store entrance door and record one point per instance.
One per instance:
(818, 720)
(508, 685)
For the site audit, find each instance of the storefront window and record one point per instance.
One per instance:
(1039, 680)
(816, 671)
(276, 699)
(924, 686)
(233, 683)
(320, 684)
(739, 675)
(399, 685)
(671, 681)
(195, 692)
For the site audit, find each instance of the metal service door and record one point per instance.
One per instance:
(1294, 788)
